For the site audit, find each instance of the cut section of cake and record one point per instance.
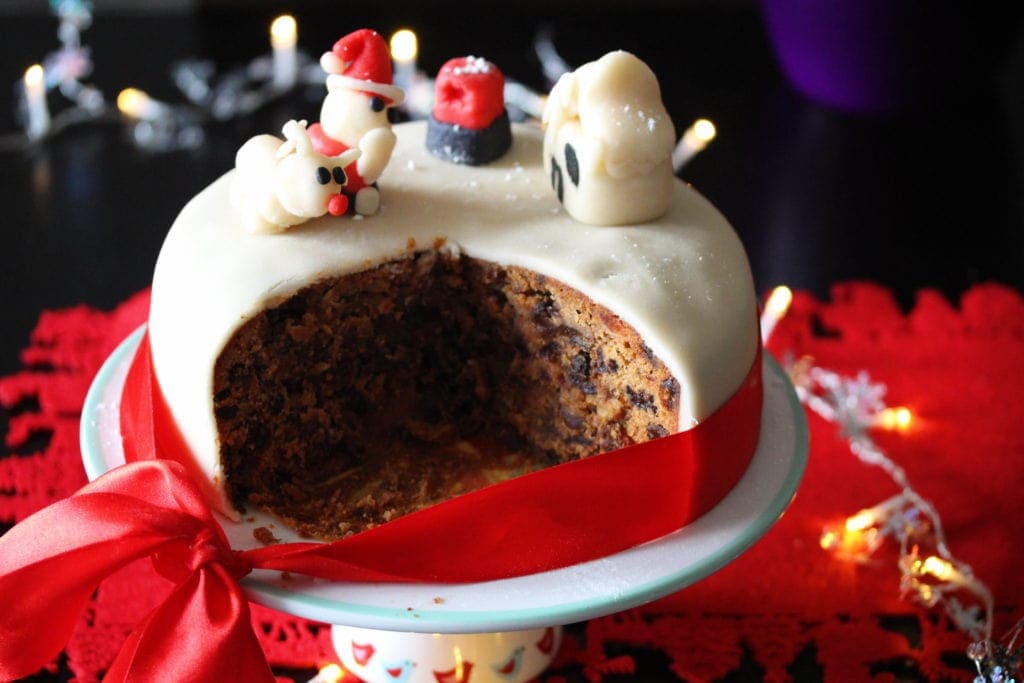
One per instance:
(369, 395)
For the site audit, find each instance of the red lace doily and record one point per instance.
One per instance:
(784, 608)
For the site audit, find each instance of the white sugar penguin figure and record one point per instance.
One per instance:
(354, 113)
(280, 183)
(608, 142)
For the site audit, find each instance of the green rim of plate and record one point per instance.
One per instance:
(89, 434)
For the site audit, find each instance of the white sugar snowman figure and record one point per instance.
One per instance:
(354, 113)
(281, 183)
(608, 142)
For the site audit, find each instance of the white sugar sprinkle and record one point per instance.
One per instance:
(473, 65)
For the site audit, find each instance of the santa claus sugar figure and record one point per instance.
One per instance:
(354, 113)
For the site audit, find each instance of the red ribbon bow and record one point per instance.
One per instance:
(52, 562)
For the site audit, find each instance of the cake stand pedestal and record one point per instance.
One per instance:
(378, 656)
(504, 630)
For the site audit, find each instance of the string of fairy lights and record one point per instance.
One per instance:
(929, 574)
(210, 96)
(59, 82)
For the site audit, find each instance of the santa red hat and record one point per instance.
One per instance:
(361, 61)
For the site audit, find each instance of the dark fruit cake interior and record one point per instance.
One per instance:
(370, 395)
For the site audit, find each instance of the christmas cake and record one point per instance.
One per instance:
(461, 326)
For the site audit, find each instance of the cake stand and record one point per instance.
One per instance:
(505, 630)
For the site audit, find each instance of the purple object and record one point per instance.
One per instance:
(886, 56)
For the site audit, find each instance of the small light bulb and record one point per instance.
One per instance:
(34, 76)
(779, 301)
(283, 31)
(134, 103)
(694, 140)
(704, 130)
(865, 519)
(941, 569)
(856, 544)
(332, 673)
(34, 85)
(898, 418)
(774, 310)
(828, 540)
(698, 135)
(404, 45)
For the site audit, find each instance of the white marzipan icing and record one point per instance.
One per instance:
(276, 184)
(608, 139)
(682, 280)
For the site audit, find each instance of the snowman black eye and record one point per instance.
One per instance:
(339, 175)
(323, 176)
(376, 104)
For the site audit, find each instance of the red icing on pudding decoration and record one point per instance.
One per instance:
(363, 56)
(469, 124)
(469, 92)
(338, 205)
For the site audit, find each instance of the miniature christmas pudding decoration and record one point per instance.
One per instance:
(354, 113)
(469, 124)
(281, 183)
(608, 142)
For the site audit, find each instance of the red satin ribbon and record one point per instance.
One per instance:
(548, 519)
(52, 561)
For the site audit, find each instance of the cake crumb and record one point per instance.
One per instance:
(410, 243)
(265, 536)
(438, 601)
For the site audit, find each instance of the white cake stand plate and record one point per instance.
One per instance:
(497, 630)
